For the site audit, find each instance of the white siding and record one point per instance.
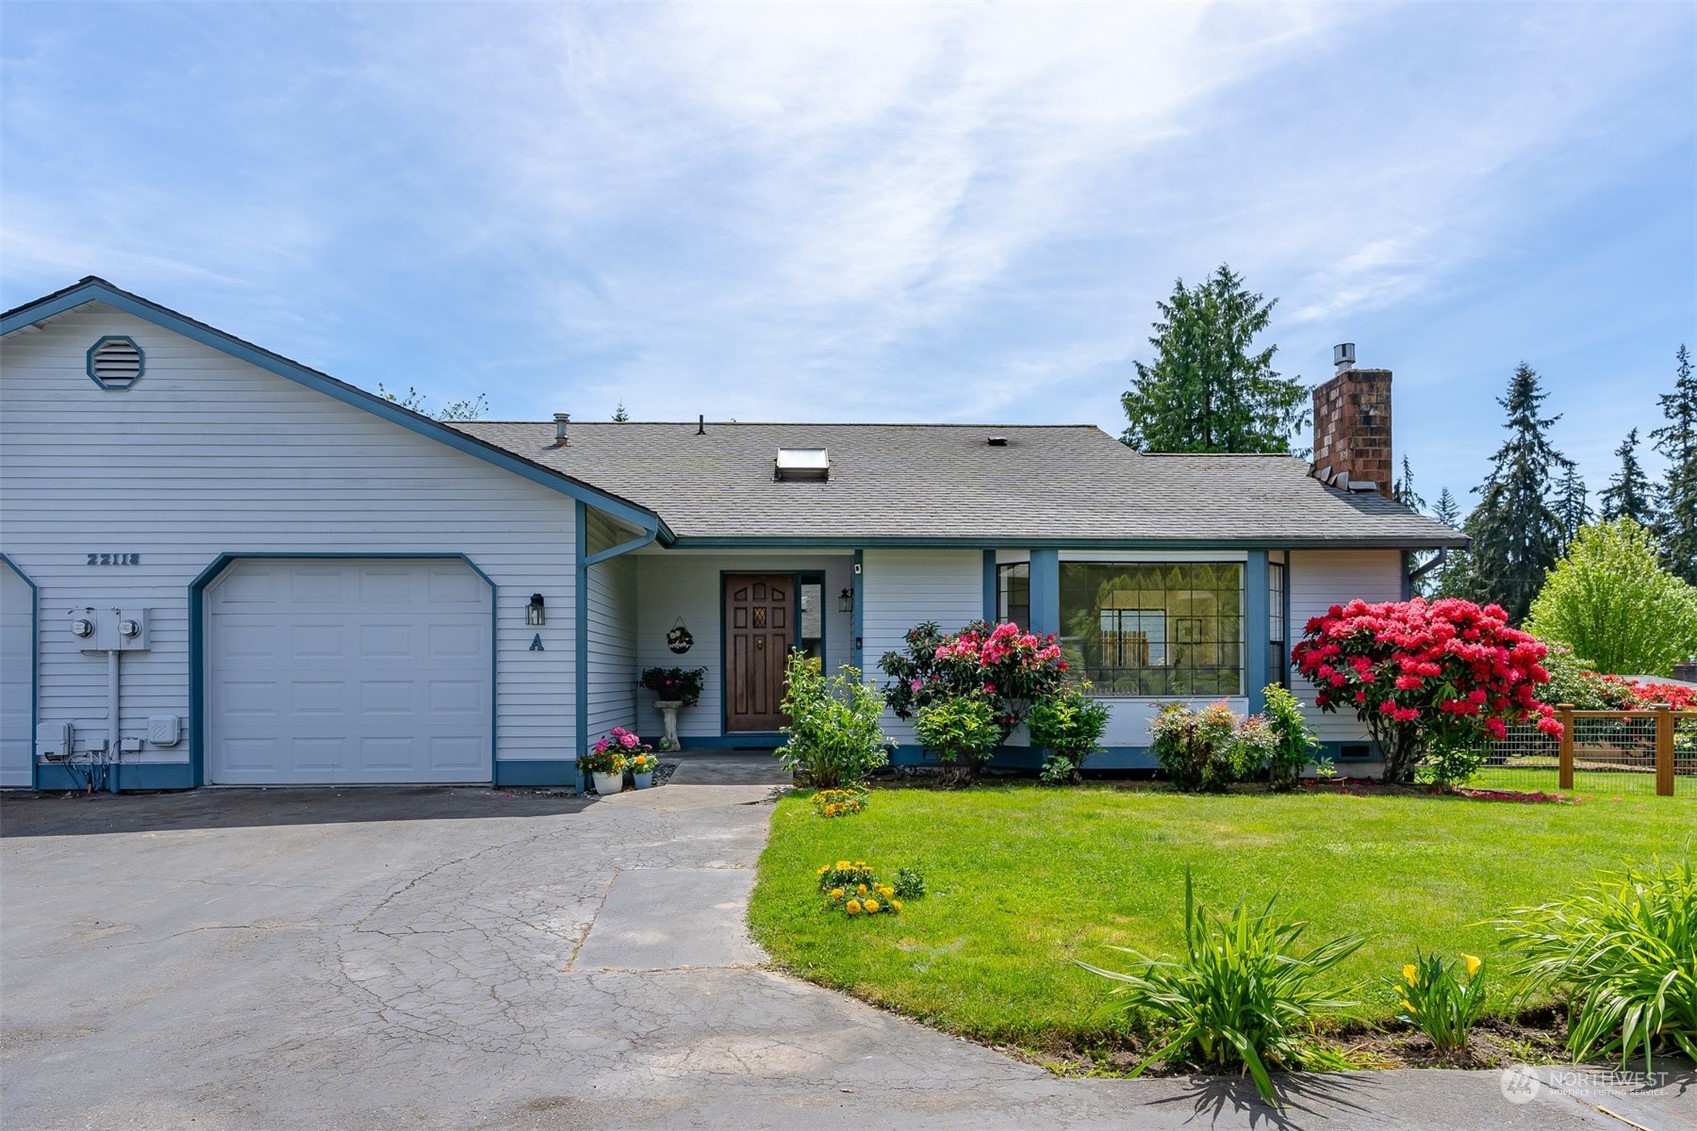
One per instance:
(900, 589)
(1318, 580)
(207, 455)
(17, 615)
(612, 645)
(684, 584)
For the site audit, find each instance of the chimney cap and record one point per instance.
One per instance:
(561, 420)
(1343, 355)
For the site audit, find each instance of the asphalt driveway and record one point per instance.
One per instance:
(475, 958)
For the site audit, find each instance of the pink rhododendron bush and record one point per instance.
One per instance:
(1425, 676)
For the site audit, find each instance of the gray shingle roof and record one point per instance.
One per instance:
(903, 483)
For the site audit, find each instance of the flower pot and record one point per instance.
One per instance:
(608, 784)
(643, 781)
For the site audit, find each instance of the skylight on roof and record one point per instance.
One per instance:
(802, 463)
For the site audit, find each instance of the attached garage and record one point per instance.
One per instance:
(17, 676)
(338, 671)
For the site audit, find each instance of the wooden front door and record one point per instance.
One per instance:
(759, 630)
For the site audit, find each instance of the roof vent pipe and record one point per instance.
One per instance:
(701, 425)
(561, 421)
(1343, 356)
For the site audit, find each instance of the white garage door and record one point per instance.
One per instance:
(17, 660)
(332, 671)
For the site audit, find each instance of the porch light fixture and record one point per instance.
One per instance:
(536, 612)
(845, 601)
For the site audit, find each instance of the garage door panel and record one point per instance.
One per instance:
(17, 683)
(361, 675)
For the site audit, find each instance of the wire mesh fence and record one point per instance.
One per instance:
(1613, 753)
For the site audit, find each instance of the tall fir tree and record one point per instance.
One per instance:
(1208, 389)
(1572, 505)
(1516, 535)
(1402, 489)
(1628, 492)
(1451, 578)
(1676, 521)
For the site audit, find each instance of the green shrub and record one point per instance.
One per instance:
(834, 738)
(1448, 765)
(1069, 725)
(1239, 994)
(1625, 952)
(959, 730)
(1293, 743)
(1611, 600)
(909, 883)
(1209, 749)
(1438, 1002)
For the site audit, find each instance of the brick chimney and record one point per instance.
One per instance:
(1352, 427)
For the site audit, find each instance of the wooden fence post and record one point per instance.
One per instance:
(1565, 781)
(1664, 750)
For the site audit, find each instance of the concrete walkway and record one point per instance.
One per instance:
(388, 958)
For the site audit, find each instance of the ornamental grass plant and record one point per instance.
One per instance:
(1242, 993)
(1624, 951)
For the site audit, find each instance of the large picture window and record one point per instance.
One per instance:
(1154, 628)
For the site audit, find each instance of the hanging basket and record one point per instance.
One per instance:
(678, 638)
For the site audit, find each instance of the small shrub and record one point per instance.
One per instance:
(1198, 750)
(1625, 951)
(1293, 743)
(1069, 725)
(1438, 1002)
(1013, 668)
(839, 802)
(1240, 992)
(834, 738)
(909, 883)
(1449, 766)
(962, 730)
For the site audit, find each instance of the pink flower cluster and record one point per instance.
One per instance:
(622, 740)
(1445, 664)
(1003, 643)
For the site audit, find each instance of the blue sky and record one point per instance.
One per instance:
(943, 212)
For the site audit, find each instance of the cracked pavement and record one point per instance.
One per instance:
(477, 958)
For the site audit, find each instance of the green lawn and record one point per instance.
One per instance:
(1023, 879)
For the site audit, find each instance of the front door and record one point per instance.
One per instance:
(759, 630)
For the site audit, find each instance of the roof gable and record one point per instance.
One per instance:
(95, 289)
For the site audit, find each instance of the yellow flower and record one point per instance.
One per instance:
(1408, 973)
(844, 865)
(872, 907)
(853, 907)
(861, 890)
(836, 893)
(1473, 965)
(895, 905)
(823, 868)
(1408, 1007)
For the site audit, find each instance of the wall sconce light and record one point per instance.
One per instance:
(845, 601)
(536, 612)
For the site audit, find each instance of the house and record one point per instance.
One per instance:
(221, 566)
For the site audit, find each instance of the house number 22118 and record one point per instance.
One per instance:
(114, 559)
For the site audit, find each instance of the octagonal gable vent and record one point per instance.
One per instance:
(115, 362)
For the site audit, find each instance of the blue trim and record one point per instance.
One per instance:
(551, 771)
(1333, 749)
(53, 777)
(141, 362)
(581, 631)
(857, 643)
(1059, 542)
(34, 665)
(1045, 591)
(1256, 613)
(94, 289)
(759, 740)
(992, 599)
(197, 639)
(619, 550)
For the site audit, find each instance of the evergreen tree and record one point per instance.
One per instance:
(1516, 535)
(1206, 391)
(1628, 494)
(620, 416)
(1453, 575)
(1402, 489)
(1573, 510)
(1676, 525)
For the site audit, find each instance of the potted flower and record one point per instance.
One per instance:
(673, 688)
(642, 767)
(605, 764)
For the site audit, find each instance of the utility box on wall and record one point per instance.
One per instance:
(53, 740)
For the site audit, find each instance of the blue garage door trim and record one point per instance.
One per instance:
(34, 664)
